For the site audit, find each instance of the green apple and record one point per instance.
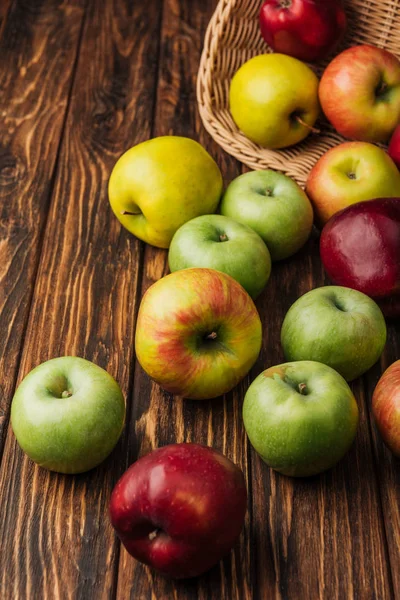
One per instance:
(68, 414)
(273, 99)
(217, 242)
(337, 326)
(274, 206)
(349, 173)
(301, 417)
(160, 184)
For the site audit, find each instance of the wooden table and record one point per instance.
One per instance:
(80, 82)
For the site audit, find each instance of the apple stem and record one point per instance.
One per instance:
(66, 394)
(223, 237)
(126, 212)
(302, 388)
(313, 129)
(153, 534)
(285, 3)
(211, 336)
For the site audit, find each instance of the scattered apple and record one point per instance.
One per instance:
(337, 326)
(220, 243)
(180, 509)
(301, 417)
(306, 29)
(360, 248)
(350, 173)
(198, 333)
(394, 147)
(360, 93)
(68, 414)
(160, 184)
(274, 206)
(274, 100)
(386, 407)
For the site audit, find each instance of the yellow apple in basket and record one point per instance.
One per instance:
(158, 185)
(274, 100)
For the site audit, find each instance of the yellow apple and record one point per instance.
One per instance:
(160, 184)
(274, 100)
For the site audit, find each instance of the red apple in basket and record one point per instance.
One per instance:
(180, 508)
(394, 147)
(360, 248)
(360, 93)
(305, 29)
(386, 407)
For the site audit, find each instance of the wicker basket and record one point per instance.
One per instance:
(233, 36)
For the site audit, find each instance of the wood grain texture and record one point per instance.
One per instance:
(38, 47)
(157, 417)
(321, 537)
(56, 532)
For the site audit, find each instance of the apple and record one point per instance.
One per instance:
(337, 326)
(160, 184)
(198, 333)
(68, 414)
(273, 99)
(386, 407)
(274, 206)
(305, 29)
(300, 417)
(350, 173)
(394, 147)
(180, 509)
(220, 243)
(360, 93)
(360, 248)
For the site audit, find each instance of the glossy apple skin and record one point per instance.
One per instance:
(394, 147)
(176, 316)
(386, 407)
(350, 173)
(180, 509)
(305, 29)
(349, 97)
(360, 248)
(300, 432)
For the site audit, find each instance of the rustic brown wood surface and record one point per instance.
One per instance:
(80, 82)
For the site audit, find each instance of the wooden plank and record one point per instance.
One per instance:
(38, 47)
(321, 537)
(387, 466)
(157, 418)
(55, 529)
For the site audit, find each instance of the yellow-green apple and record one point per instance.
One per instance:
(350, 173)
(386, 407)
(198, 333)
(160, 184)
(301, 417)
(180, 509)
(220, 243)
(360, 93)
(67, 414)
(337, 326)
(394, 147)
(274, 206)
(360, 248)
(273, 99)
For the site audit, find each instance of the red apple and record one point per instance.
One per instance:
(180, 509)
(360, 248)
(394, 147)
(386, 407)
(360, 93)
(305, 29)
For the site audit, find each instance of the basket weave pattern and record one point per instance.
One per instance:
(233, 37)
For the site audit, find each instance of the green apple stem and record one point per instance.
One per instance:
(223, 237)
(313, 129)
(302, 388)
(126, 212)
(66, 394)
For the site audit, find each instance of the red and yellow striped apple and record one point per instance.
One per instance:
(386, 407)
(198, 333)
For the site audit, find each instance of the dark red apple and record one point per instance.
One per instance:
(360, 248)
(180, 508)
(305, 29)
(394, 147)
(386, 407)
